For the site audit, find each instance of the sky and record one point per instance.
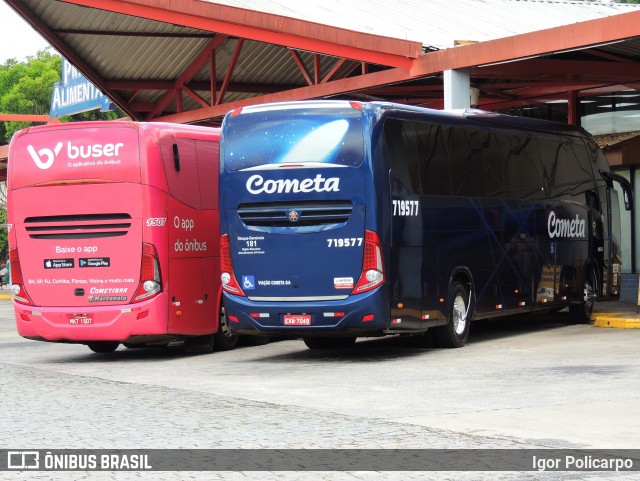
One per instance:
(17, 38)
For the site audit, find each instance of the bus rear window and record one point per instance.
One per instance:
(305, 137)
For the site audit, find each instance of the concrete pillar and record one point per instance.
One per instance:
(457, 89)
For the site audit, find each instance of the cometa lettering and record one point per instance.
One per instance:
(257, 185)
(108, 290)
(566, 227)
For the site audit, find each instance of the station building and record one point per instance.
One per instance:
(191, 61)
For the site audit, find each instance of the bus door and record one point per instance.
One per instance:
(612, 244)
(598, 246)
(406, 262)
(190, 240)
(407, 231)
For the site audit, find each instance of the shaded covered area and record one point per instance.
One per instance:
(194, 60)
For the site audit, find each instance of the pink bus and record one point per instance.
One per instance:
(114, 235)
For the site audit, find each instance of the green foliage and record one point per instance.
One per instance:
(26, 87)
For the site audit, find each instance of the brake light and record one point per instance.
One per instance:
(17, 284)
(372, 274)
(228, 278)
(150, 278)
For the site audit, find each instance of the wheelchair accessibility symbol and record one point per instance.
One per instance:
(248, 283)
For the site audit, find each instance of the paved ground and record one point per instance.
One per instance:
(518, 384)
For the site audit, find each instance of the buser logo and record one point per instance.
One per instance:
(44, 157)
(45, 154)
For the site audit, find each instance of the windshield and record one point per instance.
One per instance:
(271, 137)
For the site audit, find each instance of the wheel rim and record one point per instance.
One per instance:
(459, 314)
(224, 327)
(589, 294)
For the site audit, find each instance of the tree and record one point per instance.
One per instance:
(25, 88)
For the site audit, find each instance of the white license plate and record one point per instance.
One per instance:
(78, 319)
(297, 319)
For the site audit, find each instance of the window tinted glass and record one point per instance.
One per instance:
(566, 167)
(296, 135)
(524, 170)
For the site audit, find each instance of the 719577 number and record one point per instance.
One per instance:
(406, 208)
(346, 242)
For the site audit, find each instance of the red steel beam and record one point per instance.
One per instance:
(553, 40)
(68, 53)
(351, 84)
(301, 66)
(263, 27)
(213, 82)
(573, 69)
(230, 69)
(28, 118)
(188, 74)
(339, 63)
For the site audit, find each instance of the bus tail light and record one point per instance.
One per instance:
(150, 278)
(372, 266)
(17, 283)
(229, 282)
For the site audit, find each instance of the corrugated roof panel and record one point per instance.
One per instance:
(437, 22)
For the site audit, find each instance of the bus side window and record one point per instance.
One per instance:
(524, 168)
(434, 161)
(466, 167)
(401, 157)
(494, 155)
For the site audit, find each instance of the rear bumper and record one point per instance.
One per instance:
(351, 316)
(107, 323)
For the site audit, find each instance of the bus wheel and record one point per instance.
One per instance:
(103, 346)
(456, 331)
(581, 313)
(329, 342)
(224, 339)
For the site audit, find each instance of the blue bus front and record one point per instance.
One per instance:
(301, 253)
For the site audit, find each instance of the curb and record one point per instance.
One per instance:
(616, 320)
(6, 296)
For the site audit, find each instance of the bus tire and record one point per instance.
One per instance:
(224, 339)
(102, 347)
(329, 342)
(456, 331)
(581, 313)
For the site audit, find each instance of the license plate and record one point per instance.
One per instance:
(77, 319)
(297, 319)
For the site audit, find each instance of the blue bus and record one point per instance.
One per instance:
(342, 219)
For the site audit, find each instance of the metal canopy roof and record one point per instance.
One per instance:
(194, 60)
